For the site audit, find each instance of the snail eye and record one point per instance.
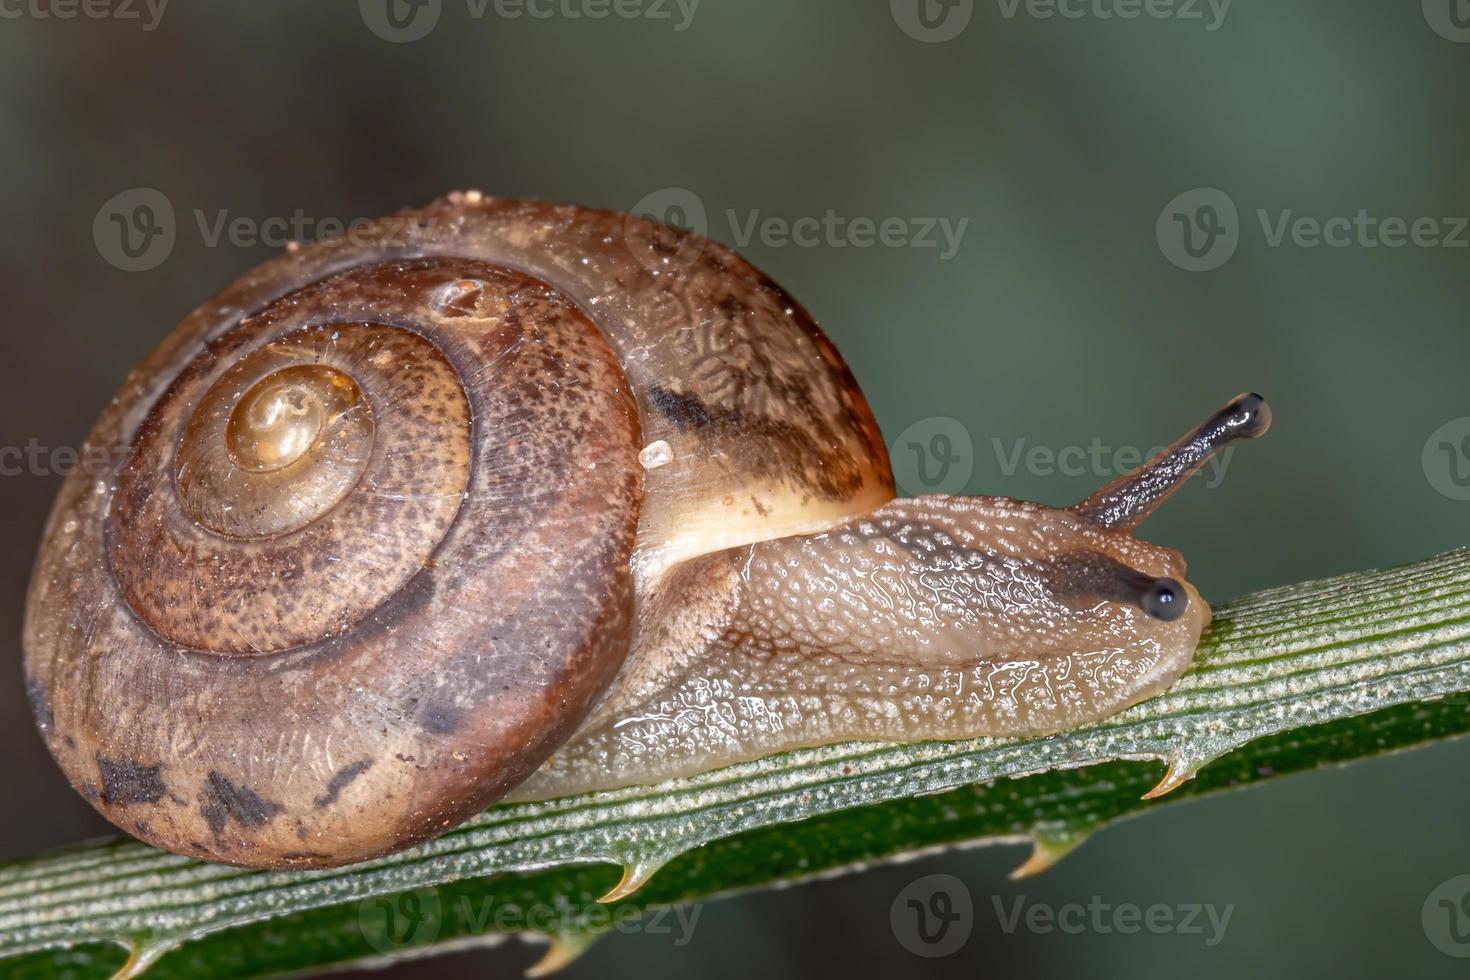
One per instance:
(1163, 599)
(1092, 575)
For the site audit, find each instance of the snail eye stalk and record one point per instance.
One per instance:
(1128, 500)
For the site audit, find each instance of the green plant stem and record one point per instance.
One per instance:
(1284, 680)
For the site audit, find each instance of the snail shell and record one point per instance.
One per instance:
(371, 552)
(397, 517)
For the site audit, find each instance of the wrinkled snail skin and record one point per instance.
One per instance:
(507, 497)
(931, 618)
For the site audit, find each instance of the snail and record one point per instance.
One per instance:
(502, 498)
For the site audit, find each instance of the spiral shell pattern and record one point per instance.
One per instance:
(364, 565)
(384, 510)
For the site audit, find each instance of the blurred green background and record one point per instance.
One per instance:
(1061, 318)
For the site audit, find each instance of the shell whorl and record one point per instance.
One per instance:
(331, 459)
(280, 647)
(370, 552)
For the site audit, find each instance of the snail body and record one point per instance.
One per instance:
(507, 497)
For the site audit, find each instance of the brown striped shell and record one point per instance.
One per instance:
(384, 510)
